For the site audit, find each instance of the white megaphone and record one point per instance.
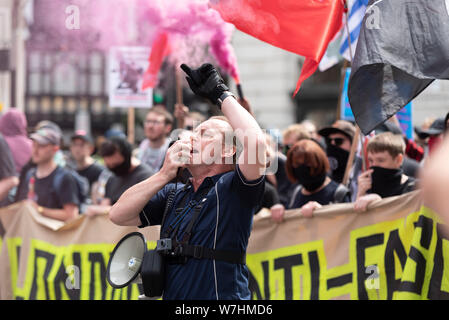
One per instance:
(126, 260)
(131, 262)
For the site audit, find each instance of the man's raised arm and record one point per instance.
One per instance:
(207, 82)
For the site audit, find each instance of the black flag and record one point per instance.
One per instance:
(402, 48)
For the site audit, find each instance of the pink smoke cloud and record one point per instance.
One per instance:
(196, 31)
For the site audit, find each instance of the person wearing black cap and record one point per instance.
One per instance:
(81, 149)
(338, 140)
(51, 189)
(434, 133)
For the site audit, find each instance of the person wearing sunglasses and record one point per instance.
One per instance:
(338, 139)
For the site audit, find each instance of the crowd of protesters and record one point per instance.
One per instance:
(311, 165)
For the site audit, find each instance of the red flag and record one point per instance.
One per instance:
(159, 50)
(304, 27)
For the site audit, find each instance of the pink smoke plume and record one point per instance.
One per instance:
(193, 27)
(195, 30)
(82, 25)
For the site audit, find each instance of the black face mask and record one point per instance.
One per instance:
(121, 169)
(309, 182)
(386, 182)
(338, 158)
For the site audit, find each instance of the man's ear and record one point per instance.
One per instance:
(91, 149)
(399, 159)
(168, 128)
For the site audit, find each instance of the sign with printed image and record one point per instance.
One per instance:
(127, 66)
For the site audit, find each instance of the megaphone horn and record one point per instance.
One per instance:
(126, 260)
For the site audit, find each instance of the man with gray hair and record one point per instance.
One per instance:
(209, 219)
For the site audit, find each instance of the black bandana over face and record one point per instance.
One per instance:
(309, 182)
(122, 169)
(338, 158)
(386, 182)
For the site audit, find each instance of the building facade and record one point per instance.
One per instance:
(54, 83)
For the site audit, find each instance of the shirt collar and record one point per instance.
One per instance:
(207, 182)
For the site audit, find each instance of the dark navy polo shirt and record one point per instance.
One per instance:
(224, 223)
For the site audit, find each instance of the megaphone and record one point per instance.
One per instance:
(126, 260)
(131, 262)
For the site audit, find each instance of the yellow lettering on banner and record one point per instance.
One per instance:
(375, 249)
(288, 273)
(66, 272)
(14, 245)
(420, 269)
(377, 258)
(445, 283)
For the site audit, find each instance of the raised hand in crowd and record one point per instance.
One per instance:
(364, 199)
(181, 113)
(364, 183)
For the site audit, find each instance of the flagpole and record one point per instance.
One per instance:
(355, 139)
(131, 125)
(179, 96)
(342, 83)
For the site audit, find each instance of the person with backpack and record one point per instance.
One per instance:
(53, 190)
(307, 165)
(81, 150)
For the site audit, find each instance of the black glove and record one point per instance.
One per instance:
(206, 82)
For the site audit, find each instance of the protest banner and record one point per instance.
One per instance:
(44, 259)
(395, 250)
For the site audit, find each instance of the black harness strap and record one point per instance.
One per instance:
(200, 252)
(169, 203)
(188, 231)
(183, 248)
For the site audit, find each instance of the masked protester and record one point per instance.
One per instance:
(338, 140)
(307, 165)
(385, 177)
(290, 136)
(127, 171)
